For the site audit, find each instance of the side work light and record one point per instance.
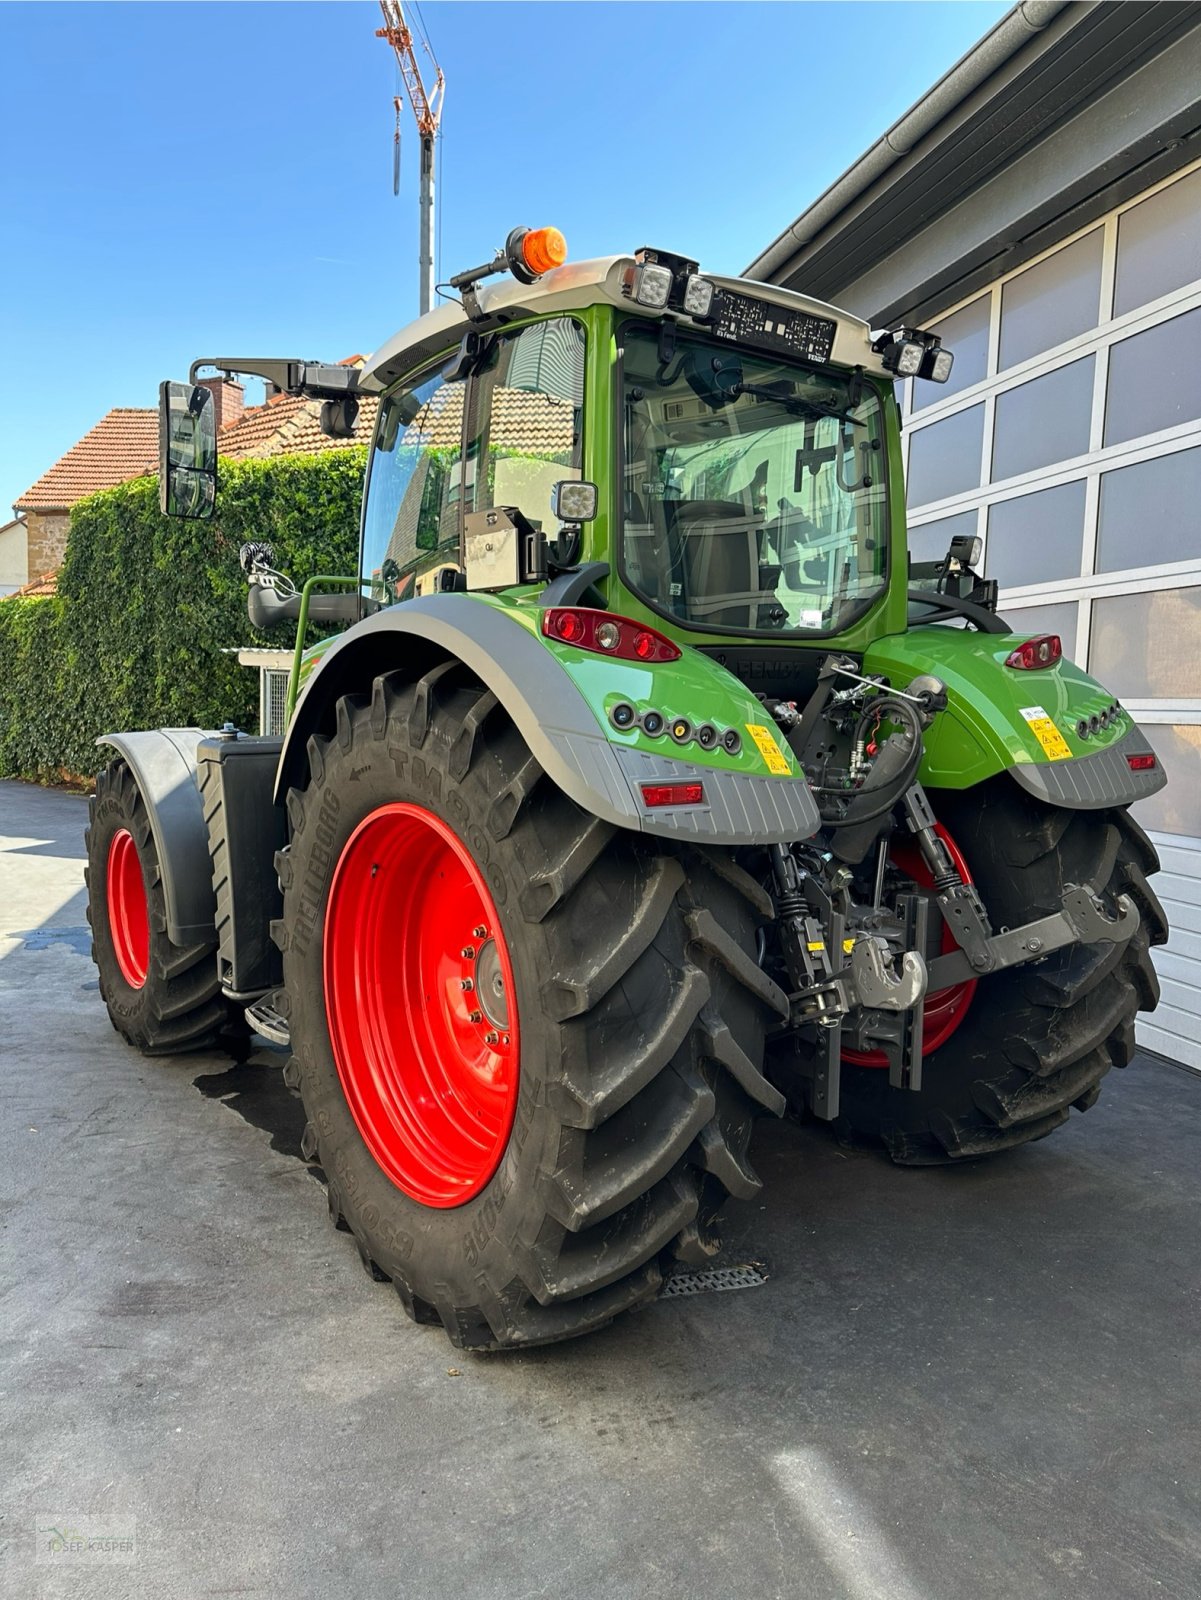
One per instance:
(914, 354)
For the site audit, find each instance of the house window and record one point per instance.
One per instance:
(965, 334)
(1051, 302)
(1154, 379)
(1159, 245)
(1149, 644)
(1151, 512)
(1037, 537)
(944, 458)
(1043, 421)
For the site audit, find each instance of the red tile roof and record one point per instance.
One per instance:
(122, 445)
(288, 424)
(46, 584)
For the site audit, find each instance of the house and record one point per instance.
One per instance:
(14, 561)
(122, 445)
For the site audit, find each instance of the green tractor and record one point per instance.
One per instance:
(647, 790)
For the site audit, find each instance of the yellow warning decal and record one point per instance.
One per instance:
(769, 749)
(1047, 734)
(847, 946)
(817, 945)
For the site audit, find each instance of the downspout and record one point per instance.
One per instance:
(964, 78)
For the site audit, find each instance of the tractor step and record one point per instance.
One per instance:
(264, 1017)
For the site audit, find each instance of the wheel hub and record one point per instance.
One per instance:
(419, 1002)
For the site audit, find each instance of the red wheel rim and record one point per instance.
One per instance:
(128, 915)
(421, 1005)
(945, 1009)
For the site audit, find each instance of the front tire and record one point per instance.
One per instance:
(612, 1104)
(162, 997)
(1036, 1040)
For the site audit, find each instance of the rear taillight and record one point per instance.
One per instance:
(1044, 651)
(673, 794)
(607, 634)
(1140, 763)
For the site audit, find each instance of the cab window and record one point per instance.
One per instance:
(524, 431)
(415, 487)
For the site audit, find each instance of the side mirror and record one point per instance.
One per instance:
(187, 450)
(574, 500)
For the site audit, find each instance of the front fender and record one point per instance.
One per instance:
(1002, 719)
(163, 763)
(558, 698)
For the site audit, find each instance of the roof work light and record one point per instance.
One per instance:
(911, 353)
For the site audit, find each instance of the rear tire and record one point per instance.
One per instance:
(162, 997)
(1036, 1040)
(642, 1018)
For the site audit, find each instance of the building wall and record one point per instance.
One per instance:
(14, 570)
(1069, 438)
(47, 540)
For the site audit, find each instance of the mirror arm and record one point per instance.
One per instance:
(315, 379)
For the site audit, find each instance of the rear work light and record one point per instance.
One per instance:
(1044, 651)
(607, 634)
(673, 794)
(1144, 763)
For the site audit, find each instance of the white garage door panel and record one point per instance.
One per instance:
(1174, 1030)
(1164, 1042)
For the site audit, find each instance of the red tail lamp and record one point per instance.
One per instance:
(607, 634)
(1143, 763)
(1044, 651)
(673, 794)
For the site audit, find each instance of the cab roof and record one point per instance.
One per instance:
(572, 287)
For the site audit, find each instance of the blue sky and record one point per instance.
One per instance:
(187, 179)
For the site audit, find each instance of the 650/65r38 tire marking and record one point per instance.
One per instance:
(421, 1005)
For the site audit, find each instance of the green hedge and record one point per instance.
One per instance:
(147, 606)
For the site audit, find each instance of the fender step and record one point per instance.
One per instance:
(265, 1017)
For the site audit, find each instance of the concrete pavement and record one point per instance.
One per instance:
(984, 1382)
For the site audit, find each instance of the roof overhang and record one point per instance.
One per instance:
(1061, 112)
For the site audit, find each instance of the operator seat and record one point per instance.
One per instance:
(718, 542)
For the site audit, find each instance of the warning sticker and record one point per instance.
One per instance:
(1047, 734)
(769, 749)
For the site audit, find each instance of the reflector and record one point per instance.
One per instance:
(673, 794)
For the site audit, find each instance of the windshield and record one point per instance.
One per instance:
(754, 493)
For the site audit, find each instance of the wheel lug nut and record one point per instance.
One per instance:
(467, 984)
(479, 932)
(475, 1016)
(491, 1038)
(467, 952)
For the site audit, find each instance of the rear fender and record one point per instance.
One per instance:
(558, 698)
(163, 763)
(1001, 719)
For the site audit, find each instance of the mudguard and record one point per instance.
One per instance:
(163, 762)
(558, 700)
(1026, 723)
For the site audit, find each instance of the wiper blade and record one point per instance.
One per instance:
(790, 397)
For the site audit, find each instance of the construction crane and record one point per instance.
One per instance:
(427, 108)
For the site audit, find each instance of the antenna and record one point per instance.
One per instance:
(427, 109)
